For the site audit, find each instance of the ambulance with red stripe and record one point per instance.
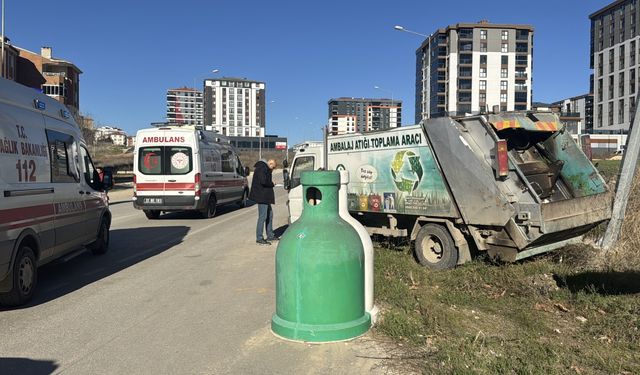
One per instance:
(186, 168)
(52, 201)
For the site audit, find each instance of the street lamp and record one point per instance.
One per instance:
(214, 71)
(2, 58)
(260, 138)
(385, 90)
(400, 28)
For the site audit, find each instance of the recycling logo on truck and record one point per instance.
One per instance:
(406, 171)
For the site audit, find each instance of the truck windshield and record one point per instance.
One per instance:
(165, 160)
(304, 163)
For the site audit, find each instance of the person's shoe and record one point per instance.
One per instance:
(263, 242)
(274, 238)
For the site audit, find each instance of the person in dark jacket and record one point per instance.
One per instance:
(262, 193)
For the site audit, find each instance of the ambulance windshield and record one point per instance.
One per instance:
(165, 160)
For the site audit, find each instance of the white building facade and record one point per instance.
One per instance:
(470, 68)
(235, 106)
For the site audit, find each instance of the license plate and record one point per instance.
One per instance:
(152, 201)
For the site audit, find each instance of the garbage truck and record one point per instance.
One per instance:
(511, 185)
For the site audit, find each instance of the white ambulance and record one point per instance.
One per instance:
(52, 201)
(178, 168)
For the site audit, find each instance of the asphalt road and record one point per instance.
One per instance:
(178, 295)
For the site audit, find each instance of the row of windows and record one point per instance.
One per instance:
(186, 94)
(621, 58)
(235, 84)
(504, 73)
(54, 90)
(465, 97)
(621, 25)
(465, 84)
(623, 104)
(504, 34)
(622, 82)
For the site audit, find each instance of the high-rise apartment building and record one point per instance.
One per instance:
(235, 106)
(57, 78)
(472, 67)
(614, 60)
(185, 106)
(353, 115)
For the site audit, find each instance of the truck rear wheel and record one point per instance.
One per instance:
(152, 214)
(25, 278)
(434, 248)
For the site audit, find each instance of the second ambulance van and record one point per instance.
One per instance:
(185, 168)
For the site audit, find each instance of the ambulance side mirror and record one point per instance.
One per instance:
(285, 163)
(246, 171)
(285, 178)
(107, 180)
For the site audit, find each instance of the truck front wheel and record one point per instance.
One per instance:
(434, 247)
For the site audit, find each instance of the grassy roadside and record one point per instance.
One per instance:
(536, 317)
(574, 311)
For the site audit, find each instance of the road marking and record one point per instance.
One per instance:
(124, 217)
(224, 220)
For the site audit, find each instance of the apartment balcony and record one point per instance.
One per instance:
(521, 75)
(520, 88)
(570, 116)
(465, 34)
(54, 74)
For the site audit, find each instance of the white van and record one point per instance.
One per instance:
(179, 168)
(52, 201)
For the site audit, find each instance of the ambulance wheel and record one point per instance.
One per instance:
(434, 248)
(102, 242)
(243, 202)
(25, 278)
(210, 210)
(152, 214)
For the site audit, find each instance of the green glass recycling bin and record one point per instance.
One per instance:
(320, 270)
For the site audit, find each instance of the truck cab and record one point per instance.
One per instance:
(308, 157)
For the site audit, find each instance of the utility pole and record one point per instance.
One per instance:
(325, 139)
(2, 61)
(623, 188)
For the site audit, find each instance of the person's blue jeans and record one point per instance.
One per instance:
(265, 217)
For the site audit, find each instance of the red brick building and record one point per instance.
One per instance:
(57, 78)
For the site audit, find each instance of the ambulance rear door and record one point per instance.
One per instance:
(166, 167)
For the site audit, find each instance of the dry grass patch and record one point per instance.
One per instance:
(574, 311)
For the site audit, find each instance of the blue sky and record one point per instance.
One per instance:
(307, 52)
